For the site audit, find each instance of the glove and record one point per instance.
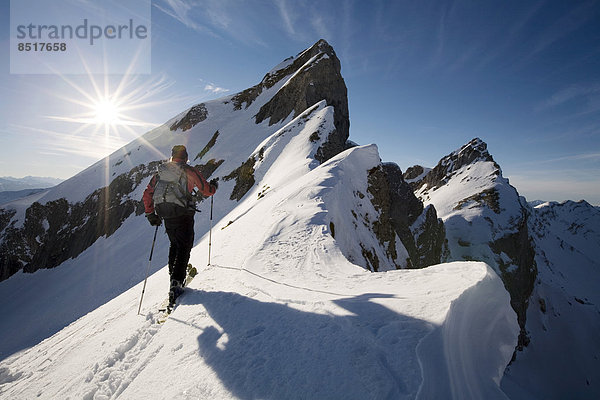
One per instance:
(214, 183)
(154, 219)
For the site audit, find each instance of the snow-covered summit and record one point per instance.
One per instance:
(470, 153)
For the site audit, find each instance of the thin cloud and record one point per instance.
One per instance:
(513, 35)
(567, 94)
(215, 89)
(321, 26)
(576, 157)
(593, 156)
(562, 28)
(565, 25)
(181, 11)
(286, 17)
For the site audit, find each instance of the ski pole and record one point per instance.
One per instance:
(210, 230)
(148, 269)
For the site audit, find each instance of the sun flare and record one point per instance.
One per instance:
(109, 114)
(106, 112)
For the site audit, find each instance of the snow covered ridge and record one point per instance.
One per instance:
(545, 253)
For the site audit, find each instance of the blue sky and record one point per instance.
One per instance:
(423, 78)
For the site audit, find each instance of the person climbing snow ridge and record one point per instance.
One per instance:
(171, 196)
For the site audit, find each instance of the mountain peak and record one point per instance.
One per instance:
(322, 46)
(310, 77)
(295, 62)
(472, 152)
(475, 150)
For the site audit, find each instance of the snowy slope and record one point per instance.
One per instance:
(485, 219)
(287, 308)
(281, 313)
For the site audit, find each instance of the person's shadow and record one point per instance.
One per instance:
(274, 351)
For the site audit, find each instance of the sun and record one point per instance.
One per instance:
(106, 112)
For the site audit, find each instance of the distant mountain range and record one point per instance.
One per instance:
(8, 183)
(16, 188)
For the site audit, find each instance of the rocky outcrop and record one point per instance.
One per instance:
(413, 172)
(518, 271)
(382, 227)
(430, 239)
(195, 115)
(316, 77)
(399, 209)
(244, 179)
(208, 146)
(475, 150)
(207, 169)
(5, 217)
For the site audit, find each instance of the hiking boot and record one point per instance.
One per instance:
(175, 291)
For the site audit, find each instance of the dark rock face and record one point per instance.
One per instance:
(383, 228)
(318, 80)
(413, 172)
(5, 217)
(59, 230)
(488, 197)
(431, 242)
(519, 282)
(244, 179)
(406, 207)
(207, 169)
(399, 209)
(195, 115)
(208, 146)
(475, 150)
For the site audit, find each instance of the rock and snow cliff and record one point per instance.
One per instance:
(290, 306)
(547, 257)
(485, 219)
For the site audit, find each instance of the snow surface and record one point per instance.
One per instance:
(281, 312)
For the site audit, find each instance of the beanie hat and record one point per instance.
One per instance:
(179, 152)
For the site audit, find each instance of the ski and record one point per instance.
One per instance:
(167, 306)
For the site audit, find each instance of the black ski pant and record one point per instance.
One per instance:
(181, 235)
